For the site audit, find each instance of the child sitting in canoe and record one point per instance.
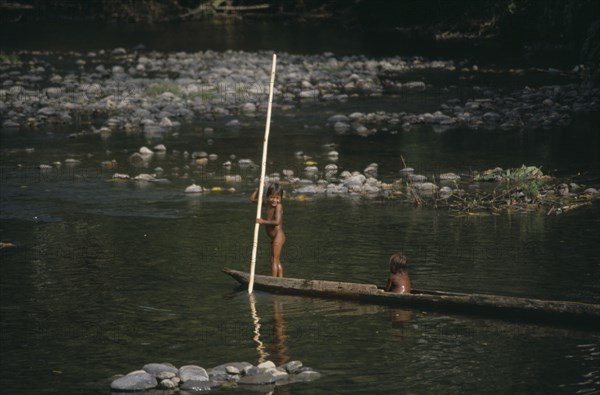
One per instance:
(398, 280)
(274, 225)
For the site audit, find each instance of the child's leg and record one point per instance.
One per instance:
(277, 247)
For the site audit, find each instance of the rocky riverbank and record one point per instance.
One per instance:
(156, 94)
(153, 92)
(191, 379)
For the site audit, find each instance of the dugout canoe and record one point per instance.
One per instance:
(585, 315)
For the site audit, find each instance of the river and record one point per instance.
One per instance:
(107, 276)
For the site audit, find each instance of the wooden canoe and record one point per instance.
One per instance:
(578, 314)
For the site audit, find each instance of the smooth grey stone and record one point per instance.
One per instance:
(417, 178)
(259, 379)
(135, 381)
(165, 375)
(167, 384)
(251, 371)
(156, 368)
(192, 373)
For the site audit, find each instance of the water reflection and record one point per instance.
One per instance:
(279, 350)
(400, 319)
(260, 346)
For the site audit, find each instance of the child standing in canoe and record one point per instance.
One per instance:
(274, 225)
(398, 280)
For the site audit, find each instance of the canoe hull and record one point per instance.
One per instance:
(583, 315)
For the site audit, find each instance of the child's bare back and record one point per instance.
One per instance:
(398, 280)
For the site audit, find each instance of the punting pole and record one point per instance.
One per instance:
(261, 185)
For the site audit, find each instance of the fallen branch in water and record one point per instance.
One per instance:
(524, 189)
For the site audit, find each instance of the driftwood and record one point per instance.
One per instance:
(583, 315)
(218, 6)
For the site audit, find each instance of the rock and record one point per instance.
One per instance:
(491, 117)
(166, 122)
(417, 178)
(309, 94)
(233, 179)
(156, 368)
(278, 374)
(144, 177)
(426, 187)
(445, 192)
(591, 191)
(338, 118)
(167, 384)
(249, 108)
(449, 177)
(192, 373)
(563, 189)
(371, 170)
(354, 180)
(120, 176)
(47, 111)
(243, 163)
(194, 189)
(232, 370)
(234, 123)
(414, 85)
(259, 379)
(333, 189)
(135, 381)
(145, 151)
(165, 375)
(341, 127)
(292, 366)
(266, 365)
(309, 190)
(251, 371)
(138, 160)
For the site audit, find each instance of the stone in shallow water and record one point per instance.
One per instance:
(165, 375)
(292, 366)
(259, 379)
(266, 365)
(192, 373)
(167, 384)
(135, 381)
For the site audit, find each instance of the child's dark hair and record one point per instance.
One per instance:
(397, 263)
(275, 189)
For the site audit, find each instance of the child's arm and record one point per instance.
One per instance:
(277, 221)
(388, 286)
(254, 196)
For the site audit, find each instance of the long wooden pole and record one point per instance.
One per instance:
(261, 185)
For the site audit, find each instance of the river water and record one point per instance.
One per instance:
(108, 276)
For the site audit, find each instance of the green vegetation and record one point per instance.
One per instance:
(159, 89)
(8, 58)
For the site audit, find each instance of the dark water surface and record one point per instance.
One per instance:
(107, 277)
